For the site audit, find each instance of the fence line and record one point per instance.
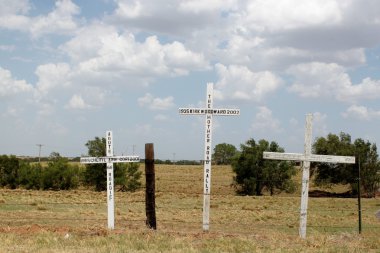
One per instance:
(224, 227)
(250, 226)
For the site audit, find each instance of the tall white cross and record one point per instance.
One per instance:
(209, 111)
(306, 158)
(110, 159)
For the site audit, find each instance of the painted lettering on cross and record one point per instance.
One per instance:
(109, 143)
(110, 181)
(209, 111)
(110, 160)
(202, 111)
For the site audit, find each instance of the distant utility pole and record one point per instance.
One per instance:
(39, 152)
(173, 157)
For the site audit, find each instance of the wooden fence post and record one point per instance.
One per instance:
(150, 198)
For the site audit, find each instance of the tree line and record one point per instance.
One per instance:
(60, 174)
(254, 175)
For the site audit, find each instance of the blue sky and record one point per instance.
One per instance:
(71, 70)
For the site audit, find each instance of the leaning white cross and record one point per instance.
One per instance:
(306, 158)
(110, 159)
(209, 111)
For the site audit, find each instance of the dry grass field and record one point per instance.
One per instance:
(76, 221)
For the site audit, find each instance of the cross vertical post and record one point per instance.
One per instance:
(305, 176)
(306, 158)
(209, 111)
(207, 160)
(110, 159)
(110, 183)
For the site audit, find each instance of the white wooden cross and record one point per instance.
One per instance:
(110, 159)
(209, 111)
(306, 158)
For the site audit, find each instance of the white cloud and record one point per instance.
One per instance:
(12, 14)
(291, 14)
(10, 86)
(330, 80)
(14, 7)
(238, 82)
(265, 122)
(168, 16)
(367, 89)
(77, 102)
(51, 76)
(198, 6)
(361, 113)
(156, 103)
(129, 9)
(101, 51)
(59, 21)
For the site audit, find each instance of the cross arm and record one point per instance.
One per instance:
(202, 111)
(284, 156)
(109, 159)
(310, 158)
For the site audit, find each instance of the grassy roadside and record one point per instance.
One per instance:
(75, 221)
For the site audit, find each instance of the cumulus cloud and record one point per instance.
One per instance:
(291, 14)
(10, 86)
(100, 50)
(169, 16)
(59, 21)
(264, 121)
(77, 102)
(51, 76)
(155, 103)
(14, 7)
(361, 113)
(330, 80)
(197, 6)
(240, 83)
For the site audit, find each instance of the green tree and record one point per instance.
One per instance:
(95, 174)
(59, 174)
(9, 169)
(329, 173)
(254, 174)
(223, 153)
(369, 166)
(364, 151)
(126, 175)
(30, 176)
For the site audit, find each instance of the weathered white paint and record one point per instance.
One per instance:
(311, 158)
(113, 159)
(306, 158)
(110, 182)
(110, 160)
(209, 111)
(202, 111)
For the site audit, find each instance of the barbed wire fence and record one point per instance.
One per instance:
(179, 211)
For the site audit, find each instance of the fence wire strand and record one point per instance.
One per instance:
(162, 208)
